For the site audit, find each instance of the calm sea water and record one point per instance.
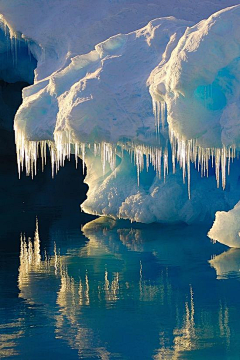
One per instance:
(75, 287)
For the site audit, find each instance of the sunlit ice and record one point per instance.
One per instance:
(119, 174)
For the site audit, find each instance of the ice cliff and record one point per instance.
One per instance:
(154, 112)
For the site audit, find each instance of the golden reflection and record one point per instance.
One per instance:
(9, 334)
(224, 323)
(131, 238)
(72, 295)
(83, 285)
(227, 264)
(184, 336)
(30, 258)
(191, 336)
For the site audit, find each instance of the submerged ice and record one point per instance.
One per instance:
(153, 113)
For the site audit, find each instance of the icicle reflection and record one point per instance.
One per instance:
(30, 258)
(10, 333)
(109, 272)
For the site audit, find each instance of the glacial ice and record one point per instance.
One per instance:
(147, 110)
(226, 227)
(17, 62)
(200, 82)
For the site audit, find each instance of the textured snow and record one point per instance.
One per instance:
(200, 82)
(142, 108)
(87, 23)
(100, 96)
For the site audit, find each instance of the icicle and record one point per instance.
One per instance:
(187, 151)
(154, 105)
(76, 154)
(223, 167)
(83, 157)
(189, 168)
(160, 114)
(183, 152)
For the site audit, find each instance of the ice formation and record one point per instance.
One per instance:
(146, 110)
(200, 82)
(226, 227)
(17, 61)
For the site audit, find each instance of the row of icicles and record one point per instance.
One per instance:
(183, 152)
(13, 41)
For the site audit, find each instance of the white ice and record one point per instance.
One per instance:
(153, 112)
(226, 227)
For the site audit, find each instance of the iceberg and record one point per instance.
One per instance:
(153, 112)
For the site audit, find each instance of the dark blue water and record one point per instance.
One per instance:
(72, 287)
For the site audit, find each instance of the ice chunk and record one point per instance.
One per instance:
(226, 227)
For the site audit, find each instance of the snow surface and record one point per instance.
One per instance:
(87, 23)
(101, 96)
(200, 82)
(94, 97)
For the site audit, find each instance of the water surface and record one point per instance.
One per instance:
(72, 287)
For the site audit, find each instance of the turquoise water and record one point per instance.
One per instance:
(75, 287)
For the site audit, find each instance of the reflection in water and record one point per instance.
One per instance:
(227, 264)
(9, 333)
(121, 285)
(30, 258)
(184, 335)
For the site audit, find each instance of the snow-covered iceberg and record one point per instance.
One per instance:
(135, 105)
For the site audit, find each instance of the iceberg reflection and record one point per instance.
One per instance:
(9, 334)
(227, 264)
(122, 287)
